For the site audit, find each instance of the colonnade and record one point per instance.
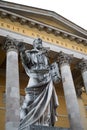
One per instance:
(12, 87)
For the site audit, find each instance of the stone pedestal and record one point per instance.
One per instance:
(69, 92)
(12, 86)
(38, 127)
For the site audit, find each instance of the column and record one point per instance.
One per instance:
(12, 85)
(83, 68)
(69, 92)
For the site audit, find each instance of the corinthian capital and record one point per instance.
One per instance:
(64, 58)
(83, 65)
(11, 44)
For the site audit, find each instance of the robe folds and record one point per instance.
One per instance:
(41, 109)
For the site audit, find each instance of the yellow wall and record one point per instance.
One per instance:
(83, 112)
(50, 22)
(63, 120)
(84, 98)
(2, 110)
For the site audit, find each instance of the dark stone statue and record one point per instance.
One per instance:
(41, 101)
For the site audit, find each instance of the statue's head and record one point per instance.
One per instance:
(37, 43)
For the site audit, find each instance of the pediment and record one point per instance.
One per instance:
(47, 17)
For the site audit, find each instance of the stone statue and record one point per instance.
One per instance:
(40, 103)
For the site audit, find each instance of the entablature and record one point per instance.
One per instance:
(55, 45)
(42, 27)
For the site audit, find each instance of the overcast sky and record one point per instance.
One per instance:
(73, 10)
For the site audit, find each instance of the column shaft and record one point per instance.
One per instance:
(12, 90)
(69, 92)
(84, 76)
(83, 67)
(70, 97)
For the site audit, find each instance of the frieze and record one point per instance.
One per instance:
(35, 24)
(50, 38)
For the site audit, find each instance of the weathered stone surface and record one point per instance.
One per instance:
(70, 94)
(84, 76)
(11, 126)
(40, 103)
(83, 67)
(71, 99)
(12, 90)
(33, 127)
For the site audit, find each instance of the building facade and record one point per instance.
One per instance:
(68, 47)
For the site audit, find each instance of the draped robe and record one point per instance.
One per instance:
(41, 101)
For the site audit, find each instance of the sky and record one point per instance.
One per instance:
(73, 10)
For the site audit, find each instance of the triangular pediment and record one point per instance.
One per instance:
(47, 17)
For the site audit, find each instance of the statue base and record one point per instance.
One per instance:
(35, 127)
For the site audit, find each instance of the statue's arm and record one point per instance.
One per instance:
(24, 57)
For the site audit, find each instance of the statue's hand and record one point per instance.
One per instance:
(21, 47)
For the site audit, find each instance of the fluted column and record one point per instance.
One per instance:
(83, 68)
(12, 85)
(69, 92)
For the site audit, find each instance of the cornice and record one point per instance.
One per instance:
(43, 12)
(41, 26)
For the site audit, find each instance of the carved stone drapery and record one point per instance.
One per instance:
(40, 103)
(12, 86)
(69, 92)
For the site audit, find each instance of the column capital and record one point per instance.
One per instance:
(64, 58)
(11, 44)
(83, 65)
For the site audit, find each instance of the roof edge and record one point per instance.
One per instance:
(45, 13)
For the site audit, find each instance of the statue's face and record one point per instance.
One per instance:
(38, 43)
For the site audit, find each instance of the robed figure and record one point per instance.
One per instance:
(41, 101)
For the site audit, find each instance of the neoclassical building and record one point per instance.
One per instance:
(68, 47)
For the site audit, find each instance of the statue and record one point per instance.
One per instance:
(40, 103)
